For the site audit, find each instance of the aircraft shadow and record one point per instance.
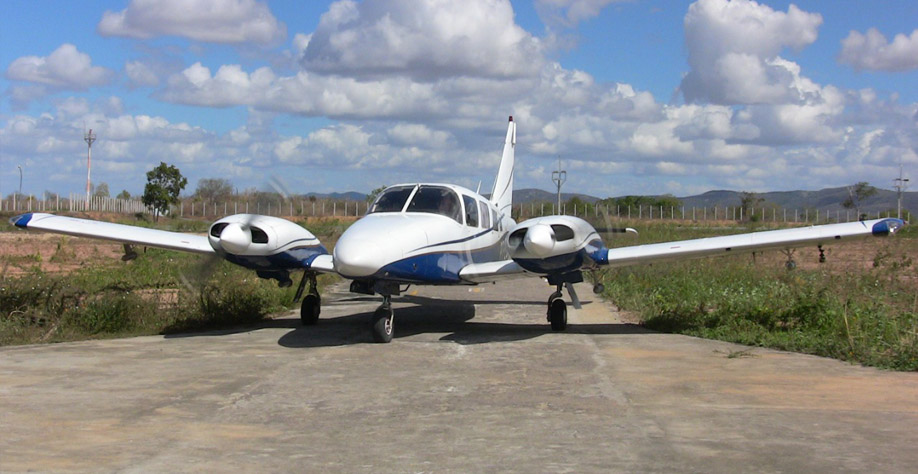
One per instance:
(430, 315)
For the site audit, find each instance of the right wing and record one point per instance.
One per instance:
(116, 232)
(725, 245)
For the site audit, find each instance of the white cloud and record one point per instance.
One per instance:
(570, 12)
(64, 69)
(733, 49)
(871, 51)
(215, 21)
(140, 74)
(425, 40)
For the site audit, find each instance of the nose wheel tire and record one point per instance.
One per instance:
(309, 311)
(383, 324)
(557, 314)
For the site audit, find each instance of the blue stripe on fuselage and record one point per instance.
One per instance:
(436, 267)
(292, 259)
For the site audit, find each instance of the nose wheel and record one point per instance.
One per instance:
(383, 322)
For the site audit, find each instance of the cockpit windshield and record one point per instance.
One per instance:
(436, 200)
(392, 199)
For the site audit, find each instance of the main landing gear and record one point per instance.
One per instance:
(557, 311)
(557, 308)
(312, 303)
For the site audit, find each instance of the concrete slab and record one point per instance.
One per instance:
(475, 381)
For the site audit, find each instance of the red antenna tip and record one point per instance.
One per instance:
(511, 118)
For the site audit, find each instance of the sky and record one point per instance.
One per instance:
(633, 97)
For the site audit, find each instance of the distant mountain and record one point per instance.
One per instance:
(537, 195)
(348, 196)
(829, 199)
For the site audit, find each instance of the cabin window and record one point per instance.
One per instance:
(436, 200)
(471, 211)
(392, 199)
(485, 215)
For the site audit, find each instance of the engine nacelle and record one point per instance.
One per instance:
(554, 244)
(256, 235)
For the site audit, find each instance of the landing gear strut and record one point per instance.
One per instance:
(384, 321)
(790, 264)
(312, 303)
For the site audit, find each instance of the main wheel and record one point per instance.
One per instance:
(383, 325)
(599, 288)
(557, 314)
(790, 265)
(309, 311)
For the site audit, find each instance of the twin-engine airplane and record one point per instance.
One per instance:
(437, 234)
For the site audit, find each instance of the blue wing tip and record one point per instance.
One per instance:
(22, 220)
(887, 227)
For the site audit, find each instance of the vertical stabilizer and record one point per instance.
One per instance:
(502, 196)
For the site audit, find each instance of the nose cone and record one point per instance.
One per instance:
(539, 240)
(357, 258)
(234, 239)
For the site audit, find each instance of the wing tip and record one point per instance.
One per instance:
(886, 227)
(22, 220)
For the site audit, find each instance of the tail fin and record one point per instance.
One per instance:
(502, 195)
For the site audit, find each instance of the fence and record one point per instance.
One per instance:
(331, 208)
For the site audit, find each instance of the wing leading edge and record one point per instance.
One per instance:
(774, 239)
(116, 232)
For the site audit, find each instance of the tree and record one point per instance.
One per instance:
(857, 194)
(213, 190)
(164, 183)
(101, 190)
(371, 198)
(748, 202)
(124, 194)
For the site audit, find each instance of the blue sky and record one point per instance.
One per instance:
(635, 97)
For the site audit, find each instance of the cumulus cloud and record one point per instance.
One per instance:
(215, 21)
(66, 68)
(871, 51)
(425, 40)
(733, 49)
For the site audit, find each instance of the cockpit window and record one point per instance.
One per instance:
(436, 200)
(392, 199)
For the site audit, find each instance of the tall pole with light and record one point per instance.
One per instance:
(89, 137)
(900, 184)
(559, 177)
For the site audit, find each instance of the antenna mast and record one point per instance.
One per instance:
(89, 137)
(900, 184)
(559, 177)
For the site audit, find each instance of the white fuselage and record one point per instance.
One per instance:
(423, 233)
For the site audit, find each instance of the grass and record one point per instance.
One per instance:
(160, 292)
(866, 316)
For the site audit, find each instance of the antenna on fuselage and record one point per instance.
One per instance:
(478, 189)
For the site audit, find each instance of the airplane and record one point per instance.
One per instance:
(439, 234)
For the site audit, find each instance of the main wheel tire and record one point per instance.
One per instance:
(309, 311)
(790, 265)
(383, 325)
(557, 315)
(599, 288)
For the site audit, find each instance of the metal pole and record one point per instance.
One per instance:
(559, 177)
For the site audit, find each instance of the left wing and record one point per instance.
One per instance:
(111, 231)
